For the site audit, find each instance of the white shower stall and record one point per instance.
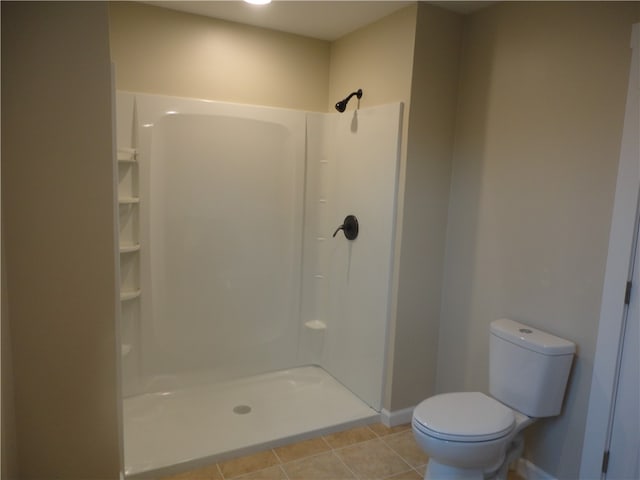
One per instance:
(245, 322)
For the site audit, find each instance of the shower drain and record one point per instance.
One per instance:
(241, 409)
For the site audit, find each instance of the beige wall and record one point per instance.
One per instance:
(540, 115)
(58, 219)
(377, 58)
(426, 196)
(8, 446)
(165, 52)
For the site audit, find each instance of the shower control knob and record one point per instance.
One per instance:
(349, 227)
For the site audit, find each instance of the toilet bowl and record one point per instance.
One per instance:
(466, 434)
(474, 436)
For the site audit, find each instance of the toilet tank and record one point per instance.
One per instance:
(528, 368)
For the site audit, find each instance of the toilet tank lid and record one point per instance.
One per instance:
(531, 338)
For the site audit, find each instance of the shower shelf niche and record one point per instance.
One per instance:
(127, 155)
(129, 248)
(128, 200)
(126, 295)
(316, 325)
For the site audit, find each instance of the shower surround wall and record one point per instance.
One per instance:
(225, 223)
(174, 53)
(239, 274)
(220, 228)
(352, 168)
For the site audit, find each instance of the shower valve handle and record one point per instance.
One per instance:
(349, 227)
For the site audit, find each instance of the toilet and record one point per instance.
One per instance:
(470, 435)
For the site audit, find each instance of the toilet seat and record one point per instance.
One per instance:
(463, 417)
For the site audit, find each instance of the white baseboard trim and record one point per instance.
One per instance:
(530, 471)
(397, 417)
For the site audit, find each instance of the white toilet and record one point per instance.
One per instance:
(470, 435)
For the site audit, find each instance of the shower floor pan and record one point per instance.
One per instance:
(168, 432)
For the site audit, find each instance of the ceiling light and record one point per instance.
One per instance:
(258, 2)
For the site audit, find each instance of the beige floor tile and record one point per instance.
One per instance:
(323, 466)
(408, 475)
(248, 464)
(372, 460)
(405, 445)
(271, 473)
(302, 449)
(349, 437)
(382, 430)
(209, 472)
(422, 470)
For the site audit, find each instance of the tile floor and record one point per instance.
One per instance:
(367, 452)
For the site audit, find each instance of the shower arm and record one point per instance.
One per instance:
(342, 104)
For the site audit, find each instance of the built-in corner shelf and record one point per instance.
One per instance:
(316, 325)
(129, 246)
(126, 295)
(126, 248)
(127, 155)
(128, 200)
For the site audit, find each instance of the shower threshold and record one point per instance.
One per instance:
(168, 432)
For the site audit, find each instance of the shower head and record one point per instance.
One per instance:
(342, 104)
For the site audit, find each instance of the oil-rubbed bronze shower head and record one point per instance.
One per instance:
(342, 104)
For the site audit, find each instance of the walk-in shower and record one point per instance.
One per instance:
(244, 322)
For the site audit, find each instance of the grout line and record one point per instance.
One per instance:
(277, 456)
(326, 443)
(334, 451)
(345, 465)
(354, 444)
(308, 456)
(397, 434)
(401, 458)
(415, 469)
(284, 472)
(400, 473)
(385, 441)
(408, 465)
(371, 430)
(394, 450)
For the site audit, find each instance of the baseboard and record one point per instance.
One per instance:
(397, 417)
(530, 471)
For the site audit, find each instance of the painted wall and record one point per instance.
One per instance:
(8, 447)
(165, 52)
(377, 58)
(431, 123)
(541, 106)
(58, 235)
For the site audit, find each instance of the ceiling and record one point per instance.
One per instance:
(322, 19)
